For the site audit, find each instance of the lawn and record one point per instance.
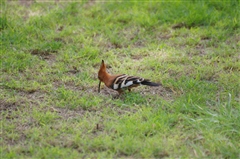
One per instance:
(51, 53)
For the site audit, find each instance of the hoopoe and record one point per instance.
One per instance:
(122, 81)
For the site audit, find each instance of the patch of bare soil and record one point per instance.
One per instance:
(7, 106)
(115, 45)
(201, 50)
(69, 85)
(90, 3)
(179, 26)
(164, 36)
(233, 40)
(7, 109)
(66, 113)
(74, 70)
(165, 93)
(34, 98)
(106, 91)
(48, 55)
(21, 138)
(202, 46)
(138, 57)
(59, 29)
(24, 98)
(42, 53)
(26, 3)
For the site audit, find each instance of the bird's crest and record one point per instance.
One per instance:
(103, 66)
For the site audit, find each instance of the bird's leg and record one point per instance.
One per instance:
(129, 89)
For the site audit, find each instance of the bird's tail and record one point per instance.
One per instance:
(148, 83)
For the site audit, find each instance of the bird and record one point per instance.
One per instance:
(121, 82)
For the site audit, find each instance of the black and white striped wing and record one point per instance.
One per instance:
(124, 81)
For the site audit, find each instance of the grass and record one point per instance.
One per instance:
(50, 56)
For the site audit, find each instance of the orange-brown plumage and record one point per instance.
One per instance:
(119, 82)
(105, 77)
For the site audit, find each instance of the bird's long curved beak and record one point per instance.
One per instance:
(99, 86)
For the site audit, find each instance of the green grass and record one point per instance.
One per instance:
(50, 56)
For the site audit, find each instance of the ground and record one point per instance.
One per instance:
(50, 56)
